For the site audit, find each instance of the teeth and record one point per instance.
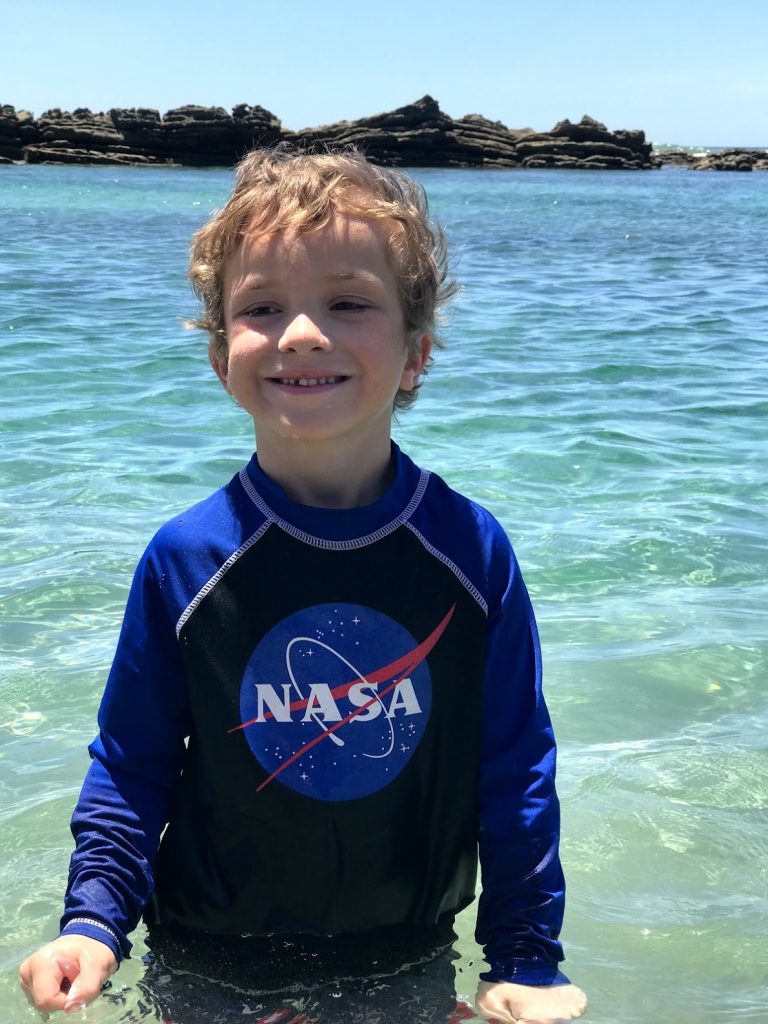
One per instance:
(308, 382)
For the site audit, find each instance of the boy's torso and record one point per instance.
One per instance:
(335, 686)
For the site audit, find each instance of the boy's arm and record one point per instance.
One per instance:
(137, 759)
(521, 907)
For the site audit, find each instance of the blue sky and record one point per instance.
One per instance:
(694, 73)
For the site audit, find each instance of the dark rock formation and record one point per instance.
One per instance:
(142, 131)
(257, 127)
(421, 135)
(587, 144)
(16, 132)
(209, 136)
(200, 135)
(80, 137)
(191, 135)
(417, 135)
(675, 158)
(722, 160)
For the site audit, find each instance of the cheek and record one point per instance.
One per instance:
(234, 366)
(244, 347)
(237, 370)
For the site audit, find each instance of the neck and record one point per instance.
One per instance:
(329, 479)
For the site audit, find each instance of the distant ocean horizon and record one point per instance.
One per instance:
(603, 390)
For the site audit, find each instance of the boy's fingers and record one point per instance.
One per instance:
(86, 985)
(84, 991)
(41, 979)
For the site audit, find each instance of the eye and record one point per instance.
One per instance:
(349, 305)
(261, 309)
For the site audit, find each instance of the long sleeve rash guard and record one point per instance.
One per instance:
(331, 711)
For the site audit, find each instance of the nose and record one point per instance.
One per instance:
(303, 334)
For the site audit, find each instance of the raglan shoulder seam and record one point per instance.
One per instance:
(450, 564)
(219, 574)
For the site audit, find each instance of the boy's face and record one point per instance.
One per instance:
(316, 344)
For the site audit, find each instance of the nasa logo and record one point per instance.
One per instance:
(335, 700)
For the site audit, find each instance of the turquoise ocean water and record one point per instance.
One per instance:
(604, 391)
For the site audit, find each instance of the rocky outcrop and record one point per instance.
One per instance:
(17, 130)
(190, 135)
(722, 160)
(142, 131)
(77, 137)
(417, 135)
(421, 135)
(587, 144)
(496, 142)
(209, 136)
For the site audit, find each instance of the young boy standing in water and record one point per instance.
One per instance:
(327, 683)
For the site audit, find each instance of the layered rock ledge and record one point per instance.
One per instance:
(722, 160)
(417, 135)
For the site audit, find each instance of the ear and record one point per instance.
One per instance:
(415, 362)
(218, 356)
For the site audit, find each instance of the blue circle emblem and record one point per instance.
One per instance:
(335, 700)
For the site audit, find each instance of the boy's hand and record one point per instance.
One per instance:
(67, 973)
(529, 1004)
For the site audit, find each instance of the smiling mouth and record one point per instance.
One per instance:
(307, 382)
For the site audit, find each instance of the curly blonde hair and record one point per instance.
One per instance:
(281, 188)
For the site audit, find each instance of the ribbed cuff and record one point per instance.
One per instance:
(93, 929)
(525, 972)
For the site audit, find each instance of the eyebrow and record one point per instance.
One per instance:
(352, 275)
(254, 282)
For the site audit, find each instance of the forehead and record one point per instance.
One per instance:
(346, 245)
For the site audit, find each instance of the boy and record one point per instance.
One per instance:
(327, 683)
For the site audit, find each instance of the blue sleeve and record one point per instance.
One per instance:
(523, 891)
(136, 765)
